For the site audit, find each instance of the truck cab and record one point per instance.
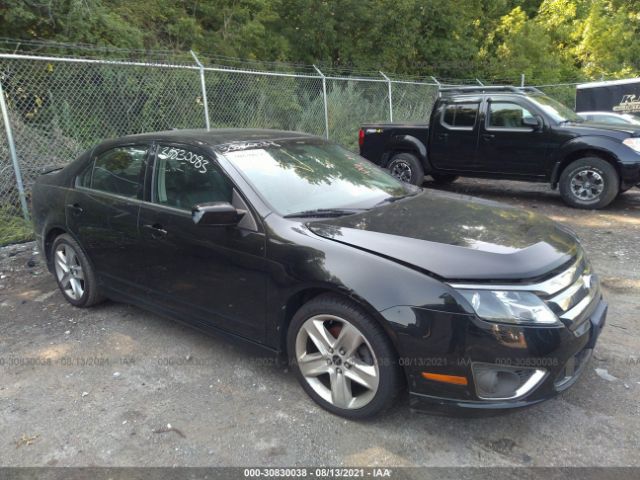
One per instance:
(510, 133)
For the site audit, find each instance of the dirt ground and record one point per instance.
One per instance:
(117, 386)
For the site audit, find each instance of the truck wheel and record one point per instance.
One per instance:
(444, 178)
(589, 183)
(407, 168)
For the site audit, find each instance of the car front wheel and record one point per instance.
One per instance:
(74, 273)
(589, 183)
(342, 358)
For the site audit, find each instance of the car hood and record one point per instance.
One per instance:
(456, 237)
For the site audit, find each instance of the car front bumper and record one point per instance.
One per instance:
(456, 342)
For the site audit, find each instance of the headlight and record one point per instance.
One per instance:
(510, 307)
(633, 143)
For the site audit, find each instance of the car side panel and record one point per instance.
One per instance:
(47, 209)
(299, 260)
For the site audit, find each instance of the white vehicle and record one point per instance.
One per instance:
(610, 117)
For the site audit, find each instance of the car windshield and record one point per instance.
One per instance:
(555, 109)
(302, 176)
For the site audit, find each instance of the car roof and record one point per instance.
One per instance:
(213, 137)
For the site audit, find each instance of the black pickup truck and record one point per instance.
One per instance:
(515, 133)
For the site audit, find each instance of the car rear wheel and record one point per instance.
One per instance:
(589, 183)
(407, 168)
(74, 273)
(443, 178)
(342, 358)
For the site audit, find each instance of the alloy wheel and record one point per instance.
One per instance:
(337, 361)
(402, 171)
(587, 184)
(69, 271)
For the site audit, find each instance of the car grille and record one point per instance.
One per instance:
(573, 294)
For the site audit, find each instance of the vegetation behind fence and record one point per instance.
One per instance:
(59, 106)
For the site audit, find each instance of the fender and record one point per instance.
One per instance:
(610, 147)
(408, 143)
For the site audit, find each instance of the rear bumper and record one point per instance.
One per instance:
(561, 353)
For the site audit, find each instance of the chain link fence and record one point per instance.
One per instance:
(57, 107)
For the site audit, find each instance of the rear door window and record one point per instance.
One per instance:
(460, 115)
(119, 171)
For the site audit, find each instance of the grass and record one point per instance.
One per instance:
(14, 228)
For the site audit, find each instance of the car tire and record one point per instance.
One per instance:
(74, 273)
(407, 168)
(444, 178)
(331, 342)
(589, 183)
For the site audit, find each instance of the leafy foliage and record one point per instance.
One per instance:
(548, 40)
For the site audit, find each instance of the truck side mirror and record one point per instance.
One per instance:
(534, 122)
(216, 214)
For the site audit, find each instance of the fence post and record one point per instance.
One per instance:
(390, 101)
(204, 90)
(522, 80)
(14, 156)
(324, 96)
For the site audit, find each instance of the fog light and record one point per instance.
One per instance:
(498, 382)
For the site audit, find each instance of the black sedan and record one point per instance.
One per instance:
(368, 285)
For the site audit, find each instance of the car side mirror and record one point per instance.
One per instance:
(534, 122)
(216, 214)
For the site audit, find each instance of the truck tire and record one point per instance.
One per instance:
(589, 183)
(444, 178)
(407, 168)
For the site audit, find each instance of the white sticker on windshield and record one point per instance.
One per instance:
(239, 146)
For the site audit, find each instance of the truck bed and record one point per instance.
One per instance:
(378, 138)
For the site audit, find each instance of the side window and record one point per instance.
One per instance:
(460, 115)
(507, 115)
(184, 178)
(119, 171)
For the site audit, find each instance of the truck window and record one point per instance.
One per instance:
(507, 115)
(460, 115)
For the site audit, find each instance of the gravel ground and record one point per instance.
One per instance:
(116, 386)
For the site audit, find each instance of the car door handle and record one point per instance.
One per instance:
(488, 136)
(156, 230)
(75, 208)
(442, 136)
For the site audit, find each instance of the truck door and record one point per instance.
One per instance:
(510, 141)
(454, 138)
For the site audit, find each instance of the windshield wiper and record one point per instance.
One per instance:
(325, 212)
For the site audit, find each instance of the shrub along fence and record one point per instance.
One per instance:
(53, 108)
